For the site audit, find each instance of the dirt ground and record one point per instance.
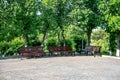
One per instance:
(61, 68)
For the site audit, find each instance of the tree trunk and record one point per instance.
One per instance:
(44, 36)
(58, 39)
(26, 40)
(112, 41)
(89, 38)
(63, 38)
(118, 46)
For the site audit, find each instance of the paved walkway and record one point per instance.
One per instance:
(61, 68)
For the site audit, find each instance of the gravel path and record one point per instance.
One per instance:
(61, 68)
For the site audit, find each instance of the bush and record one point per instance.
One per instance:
(4, 46)
(68, 42)
(104, 45)
(34, 43)
(114, 53)
(51, 42)
(11, 48)
(105, 53)
(78, 42)
(15, 44)
(54, 42)
(101, 38)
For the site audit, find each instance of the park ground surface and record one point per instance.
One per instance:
(61, 68)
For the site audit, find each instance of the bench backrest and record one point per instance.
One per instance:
(93, 48)
(68, 48)
(96, 48)
(53, 49)
(89, 48)
(60, 48)
(31, 49)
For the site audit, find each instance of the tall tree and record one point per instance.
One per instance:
(62, 10)
(114, 21)
(47, 17)
(86, 14)
(58, 17)
(111, 12)
(25, 17)
(6, 20)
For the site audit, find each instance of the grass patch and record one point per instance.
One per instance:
(105, 53)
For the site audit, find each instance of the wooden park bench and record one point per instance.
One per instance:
(61, 50)
(31, 51)
(91, 49)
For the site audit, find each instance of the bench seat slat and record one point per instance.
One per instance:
(60, 49)
(32, 51)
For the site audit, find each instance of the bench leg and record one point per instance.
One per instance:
(80, 52)
(73, 53)
(21, 57)
(86, 53)
(95, 54)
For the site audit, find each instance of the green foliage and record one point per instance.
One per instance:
(99, 34)
(11, 48)
(85, 15)
(100, 38)
(4, 46)
(78, 42)
(114, 53)
(71, 31)
(114, 15)
(49, 3)
(54, 42)
(34, 40)
(108, 53)
(14, 45)
(112, 42)
(68, 42)
(105, 53)
(69, 18)
(111, 12)
(51, 42)
(111, 17)
(104, 45)
(34, 43)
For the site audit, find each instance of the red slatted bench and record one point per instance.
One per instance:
(61, 50)
(31, 51)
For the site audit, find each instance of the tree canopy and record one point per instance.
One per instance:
(38, 20)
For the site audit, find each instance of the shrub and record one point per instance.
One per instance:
(10, 48)
(104, 53)
(51, 42)
(34, 43)
(78, 42)
(104, 45)
(54, 42)
(34, 40)
(68, 42)
(4, 46)
(15, 44)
